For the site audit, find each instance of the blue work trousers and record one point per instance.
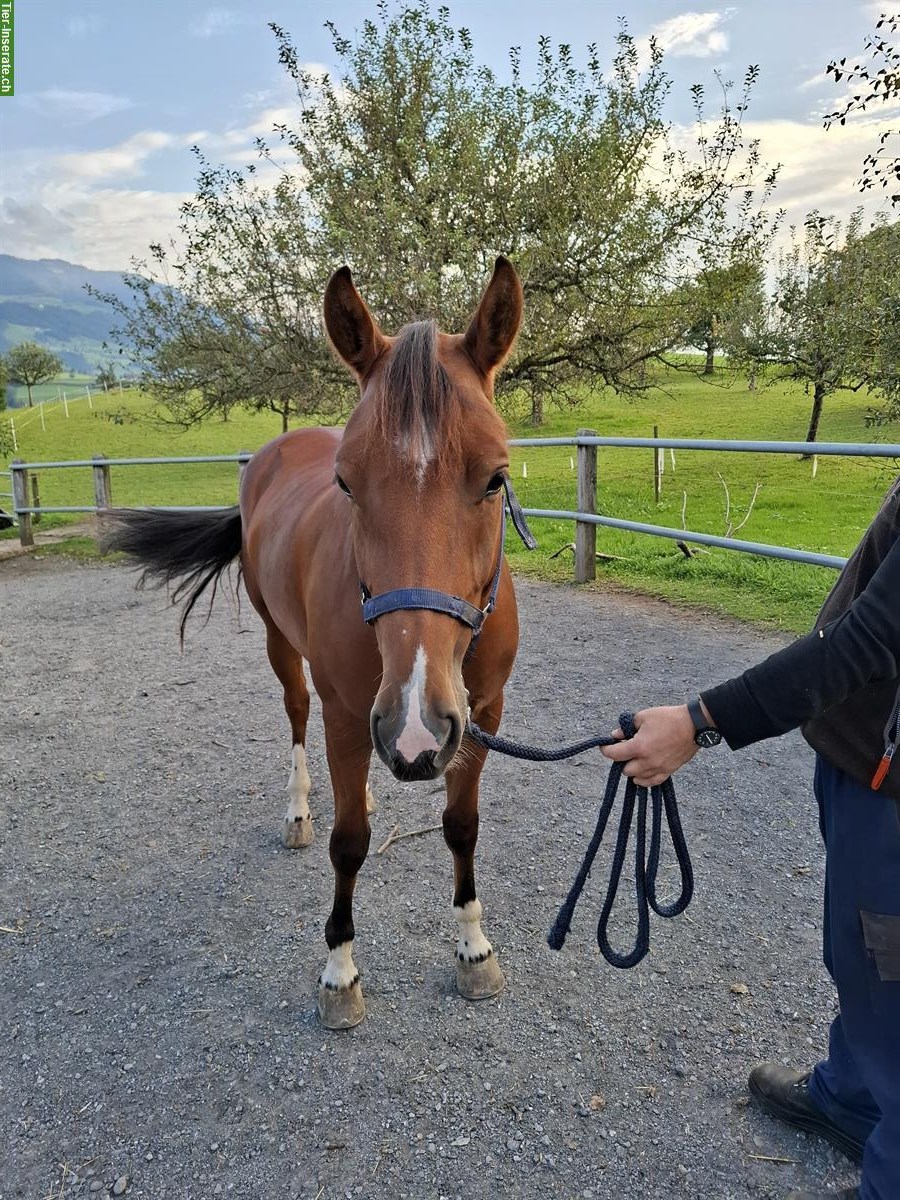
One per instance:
(858, 1085)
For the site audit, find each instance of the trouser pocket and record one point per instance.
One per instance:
(881, 935)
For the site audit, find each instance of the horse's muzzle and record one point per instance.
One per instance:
(406, 760)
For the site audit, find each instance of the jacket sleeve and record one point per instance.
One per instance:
(862, 646)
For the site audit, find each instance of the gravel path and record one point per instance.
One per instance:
(158, 1035)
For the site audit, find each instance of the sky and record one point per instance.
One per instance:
(111, 94)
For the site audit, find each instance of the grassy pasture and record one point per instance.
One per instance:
(73, 384)
(826, 512)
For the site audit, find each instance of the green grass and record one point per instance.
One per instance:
(826, 513)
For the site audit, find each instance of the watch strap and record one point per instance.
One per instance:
(700, 721)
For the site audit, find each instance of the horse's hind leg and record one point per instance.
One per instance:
(288, 666)
(478, 975)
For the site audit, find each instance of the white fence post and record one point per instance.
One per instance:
(12, 429)
(43, 422)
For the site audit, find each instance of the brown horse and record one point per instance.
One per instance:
(409, 496)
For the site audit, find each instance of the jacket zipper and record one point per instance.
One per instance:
(891, 735)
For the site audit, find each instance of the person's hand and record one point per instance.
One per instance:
(664, 742)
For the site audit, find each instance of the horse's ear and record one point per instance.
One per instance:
(353, 333)
(493, 330)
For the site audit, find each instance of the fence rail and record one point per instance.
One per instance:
(586, 517)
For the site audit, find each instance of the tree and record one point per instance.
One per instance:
(720, 295)
(828, 323)
(235, 320)
(879, 83)
(106, 377)
(417, 166)
(877, 315)
(4, 380)
(31, 364)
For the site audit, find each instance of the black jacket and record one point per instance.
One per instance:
(842, 681)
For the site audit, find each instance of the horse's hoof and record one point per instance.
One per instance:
(298, 833)
(479, 980)
(341, 1008)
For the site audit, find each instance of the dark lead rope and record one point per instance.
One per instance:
(646, 865)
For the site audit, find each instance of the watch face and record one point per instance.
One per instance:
(708, 738)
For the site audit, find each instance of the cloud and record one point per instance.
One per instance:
(215, 21)
(820, 167)
(689, 35)
(80, 207)
(102, 229)
(123, 161)
(76, 106)
(876, 9)
(33, 222)
(814, 81)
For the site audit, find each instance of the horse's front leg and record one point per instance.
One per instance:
(478, 975)
(349, 747)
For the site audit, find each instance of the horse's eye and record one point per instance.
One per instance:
(343, 486)
(496, 484)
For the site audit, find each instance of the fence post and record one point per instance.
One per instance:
(35, 499)
(102, 487)
(20, 501)
(585, 534)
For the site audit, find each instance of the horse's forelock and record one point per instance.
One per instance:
(418, 411)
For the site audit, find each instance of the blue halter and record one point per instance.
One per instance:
(374, 607)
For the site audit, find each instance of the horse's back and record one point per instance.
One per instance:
(300, 459)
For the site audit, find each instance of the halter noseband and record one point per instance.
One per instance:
(374, 607)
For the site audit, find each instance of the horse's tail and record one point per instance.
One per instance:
(190, 549)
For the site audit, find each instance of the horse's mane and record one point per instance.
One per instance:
(418, 411)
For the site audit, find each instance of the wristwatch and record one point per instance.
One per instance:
(706, 735)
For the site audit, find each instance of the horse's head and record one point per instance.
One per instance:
(422, 464)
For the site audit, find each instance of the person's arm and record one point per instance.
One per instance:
(785, 690)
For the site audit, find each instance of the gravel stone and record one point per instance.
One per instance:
(164, 925)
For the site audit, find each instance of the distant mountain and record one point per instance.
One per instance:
(44, 301)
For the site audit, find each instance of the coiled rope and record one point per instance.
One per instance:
(646, 865)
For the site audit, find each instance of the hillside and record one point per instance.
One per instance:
(44, 301)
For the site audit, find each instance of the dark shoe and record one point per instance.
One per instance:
(847, 1194)
(785, 1094)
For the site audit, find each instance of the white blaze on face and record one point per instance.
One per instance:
(420, 452)
(416, 737)
(423, 459)
(340, 971)
(472, 946)
(298, 788)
